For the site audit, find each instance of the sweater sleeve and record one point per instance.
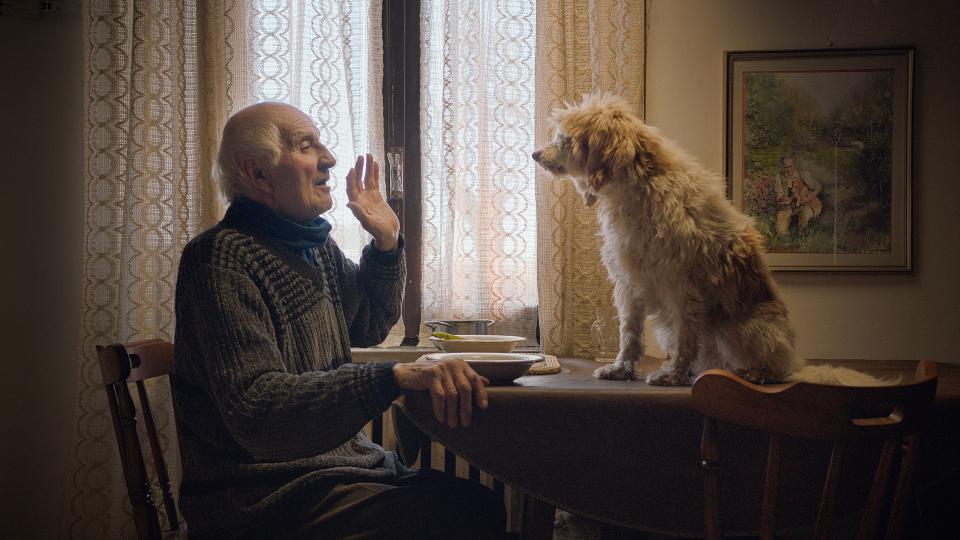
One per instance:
(271, 413)
(372, 292)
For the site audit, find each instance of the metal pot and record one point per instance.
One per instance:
(460, 326)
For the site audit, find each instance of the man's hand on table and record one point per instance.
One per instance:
(452, 383)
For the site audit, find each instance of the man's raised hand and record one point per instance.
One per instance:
(368, 205)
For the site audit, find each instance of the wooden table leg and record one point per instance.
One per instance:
(536, 523)
(411, 442)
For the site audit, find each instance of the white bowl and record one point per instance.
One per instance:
(498, 367)
(478, 343)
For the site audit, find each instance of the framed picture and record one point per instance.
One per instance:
(818, 152)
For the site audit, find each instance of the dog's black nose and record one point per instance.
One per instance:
(536, 155)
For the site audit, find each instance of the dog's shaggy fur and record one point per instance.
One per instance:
(676, 248)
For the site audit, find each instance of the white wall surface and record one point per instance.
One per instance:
(864, 315)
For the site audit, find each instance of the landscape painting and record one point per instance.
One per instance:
(818, 147)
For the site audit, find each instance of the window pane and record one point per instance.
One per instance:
(477, 129)
(325, 57)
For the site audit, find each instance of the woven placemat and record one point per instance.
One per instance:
(548, 366)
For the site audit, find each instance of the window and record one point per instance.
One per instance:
(459, 101)
(457, 79)
(326, 58)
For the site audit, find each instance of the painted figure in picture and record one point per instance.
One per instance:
(797, 196)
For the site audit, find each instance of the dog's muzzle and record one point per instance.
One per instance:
(543, 159)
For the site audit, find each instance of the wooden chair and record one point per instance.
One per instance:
(891, 415)
(121, 364)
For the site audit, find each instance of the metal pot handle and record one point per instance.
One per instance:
(433, 324)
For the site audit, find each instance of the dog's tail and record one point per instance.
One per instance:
(838, 376)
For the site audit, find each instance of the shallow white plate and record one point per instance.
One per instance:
(498, 367)
(478, 343)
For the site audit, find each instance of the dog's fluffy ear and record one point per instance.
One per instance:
(596, 149)
(647, 149)
(615, 144)
(586, 191)
(627, 145)
(596, 179)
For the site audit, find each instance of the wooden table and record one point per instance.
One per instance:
(628, 454)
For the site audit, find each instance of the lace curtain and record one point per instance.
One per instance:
(497, 244)
(161, 78)
(477, 134)
(582, 46)
(325, 57)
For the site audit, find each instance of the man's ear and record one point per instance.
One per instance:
(255, 174)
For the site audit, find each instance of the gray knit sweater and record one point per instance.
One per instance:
(268, 406)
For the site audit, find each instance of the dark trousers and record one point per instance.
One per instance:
(423, 506)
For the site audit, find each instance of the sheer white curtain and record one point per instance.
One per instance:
(326, 58)
(161, 78)
(477, 131)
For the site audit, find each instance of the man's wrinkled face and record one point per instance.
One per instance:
(300, 179)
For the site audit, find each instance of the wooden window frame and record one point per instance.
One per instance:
(401, 121)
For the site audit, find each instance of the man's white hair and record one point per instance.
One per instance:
(246, 136)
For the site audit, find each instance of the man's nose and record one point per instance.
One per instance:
(536, 155)
(326, 161)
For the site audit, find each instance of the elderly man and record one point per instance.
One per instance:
(269, 407)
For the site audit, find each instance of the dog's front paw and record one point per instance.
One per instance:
(670, 377)
(616, 371)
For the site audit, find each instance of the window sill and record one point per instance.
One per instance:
(363, 355)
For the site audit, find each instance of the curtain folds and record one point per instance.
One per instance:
(161, 78)
(582, 46)
(143, 193)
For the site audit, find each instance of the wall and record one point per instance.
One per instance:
(42, 222)
(877, 316)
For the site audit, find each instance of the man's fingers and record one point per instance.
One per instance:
(451, 397)
(372, 179)
(353, 182)
(437, 396)
(365, 169)
(480, 390)
(454, 387)
(465, 389)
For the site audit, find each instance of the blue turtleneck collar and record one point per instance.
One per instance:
(299, 237)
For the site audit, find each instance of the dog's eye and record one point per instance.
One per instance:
(564, 140)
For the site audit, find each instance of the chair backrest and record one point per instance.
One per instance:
(121, 364)
(891, 416)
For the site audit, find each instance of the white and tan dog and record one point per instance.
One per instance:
(676, 248)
